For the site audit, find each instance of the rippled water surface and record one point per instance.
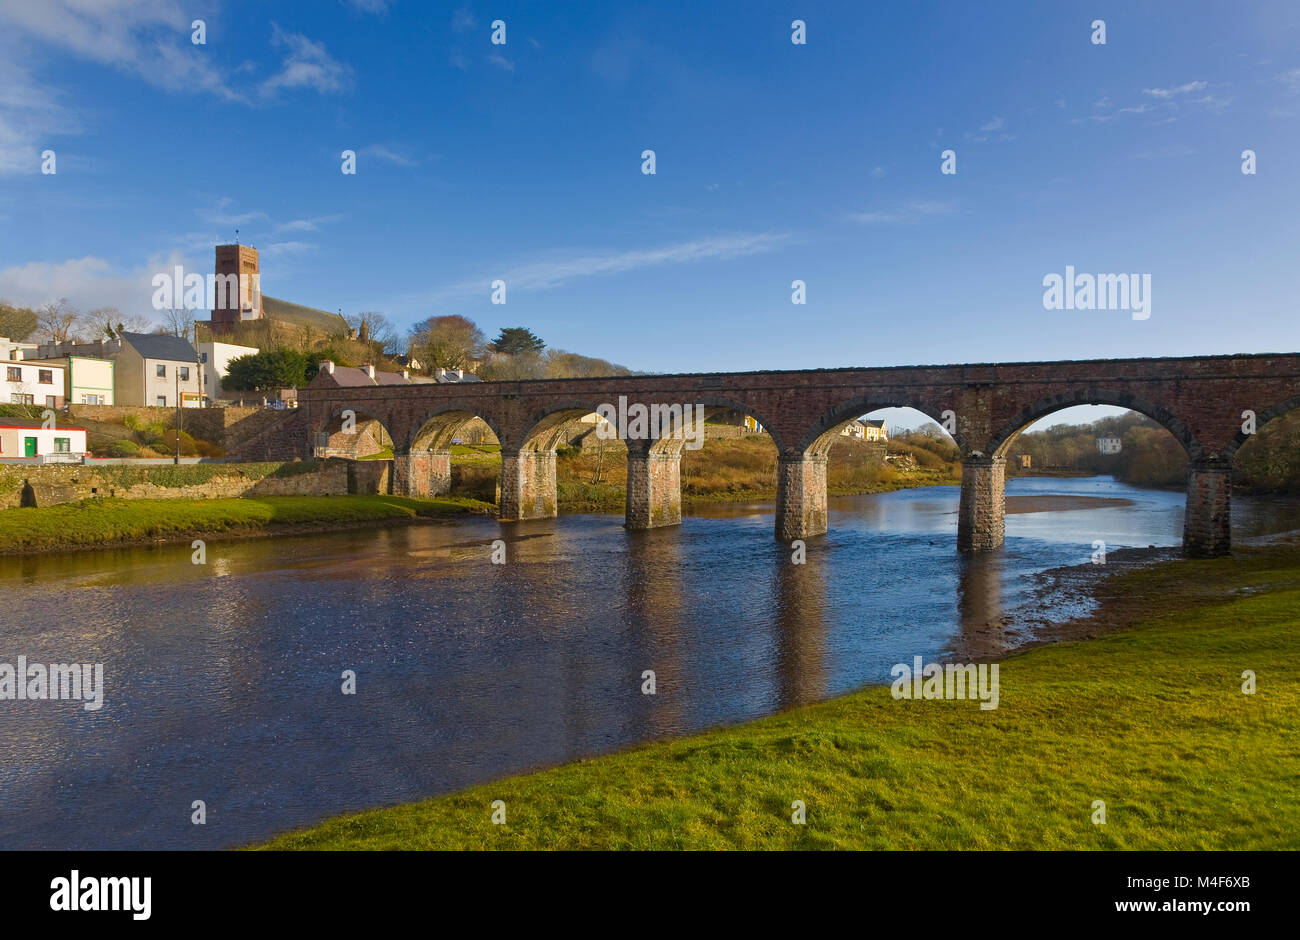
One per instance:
(223, 681)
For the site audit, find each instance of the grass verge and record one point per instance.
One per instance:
(97, 522)
(1152, 720)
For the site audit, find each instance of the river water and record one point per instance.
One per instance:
(223, 681)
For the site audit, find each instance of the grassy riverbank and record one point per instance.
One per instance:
(1152, 720)
(99, 522)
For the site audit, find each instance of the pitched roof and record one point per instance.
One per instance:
(161, 346)
(872, 422)
(329, 323)
(356, 377)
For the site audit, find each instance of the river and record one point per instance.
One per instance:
(223, 681)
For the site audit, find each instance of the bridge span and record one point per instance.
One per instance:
(1206, 402)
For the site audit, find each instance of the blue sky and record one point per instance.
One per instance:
(775, 162)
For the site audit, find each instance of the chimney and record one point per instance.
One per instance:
(368, 369)
(459, 373)
(327, 366)
(406, 374)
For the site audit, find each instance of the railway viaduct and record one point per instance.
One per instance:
(1206, 402)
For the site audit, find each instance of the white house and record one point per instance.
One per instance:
(33, 383)
(13, 349)
(214, 359)
(32, 441)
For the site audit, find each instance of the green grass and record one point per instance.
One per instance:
(101, 521)
(1151, 720)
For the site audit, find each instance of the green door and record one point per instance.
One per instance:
(29, 447)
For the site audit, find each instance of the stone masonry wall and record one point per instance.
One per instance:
(54, 484)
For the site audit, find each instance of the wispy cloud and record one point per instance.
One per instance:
(1290, 81)
(387, 154)
(501, 62)
(307, 65)
(1174, 92)
(556, 271)
(910, 212)
(989, 130)
(307, 225)
(220, 214)
(463, 19)
(377, 7)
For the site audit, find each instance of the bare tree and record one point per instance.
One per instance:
(109, 322)
(177, 321)
(56, 320)
(376, 330)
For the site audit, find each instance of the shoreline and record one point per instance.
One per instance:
(1067, 721)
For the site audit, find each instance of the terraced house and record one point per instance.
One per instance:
(148, 368)
(33, 383)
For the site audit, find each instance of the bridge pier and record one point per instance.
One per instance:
(421, 474)
(981, 518)
(1207, 519)
(654, 488)
(800, 496)
(527, 485)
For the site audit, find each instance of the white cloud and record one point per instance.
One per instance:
(501, 62)
(553, 272)
(220, 214)
(89, 282)
(307, 65)
(989, 129)
(378, 7)
(389, 155)
(1172, 92)
(910, 212)
(1291, 81)
(463, 19)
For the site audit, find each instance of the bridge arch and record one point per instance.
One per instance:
(435, 431)
(1262, 418)
(817, 439)
(352, 432)
(1004, 436)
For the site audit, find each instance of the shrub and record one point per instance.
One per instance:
(123, 448)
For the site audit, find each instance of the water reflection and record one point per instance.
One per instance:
(799, 633)
(223, 681)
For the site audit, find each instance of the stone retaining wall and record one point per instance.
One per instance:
(54, 484)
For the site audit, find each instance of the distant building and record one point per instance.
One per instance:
(866, 429)
(214, 361)
(33, 383)
(1026, 461)
(13, 349)
(336, 376)
(87, 380)
(150, 369)
(1109, 445)
(453, 376)
(30, 440)
(239, 265)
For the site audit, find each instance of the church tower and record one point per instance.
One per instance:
(244, 303)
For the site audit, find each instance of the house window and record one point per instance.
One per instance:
(203, 357)
(51, 401)
(15, 374)
(45, 376)
(185, 373)
(63, 445)
(17, 399)
(92, 399)
(161, 371)
(162, 399)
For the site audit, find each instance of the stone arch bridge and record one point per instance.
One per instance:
(1200, 400)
